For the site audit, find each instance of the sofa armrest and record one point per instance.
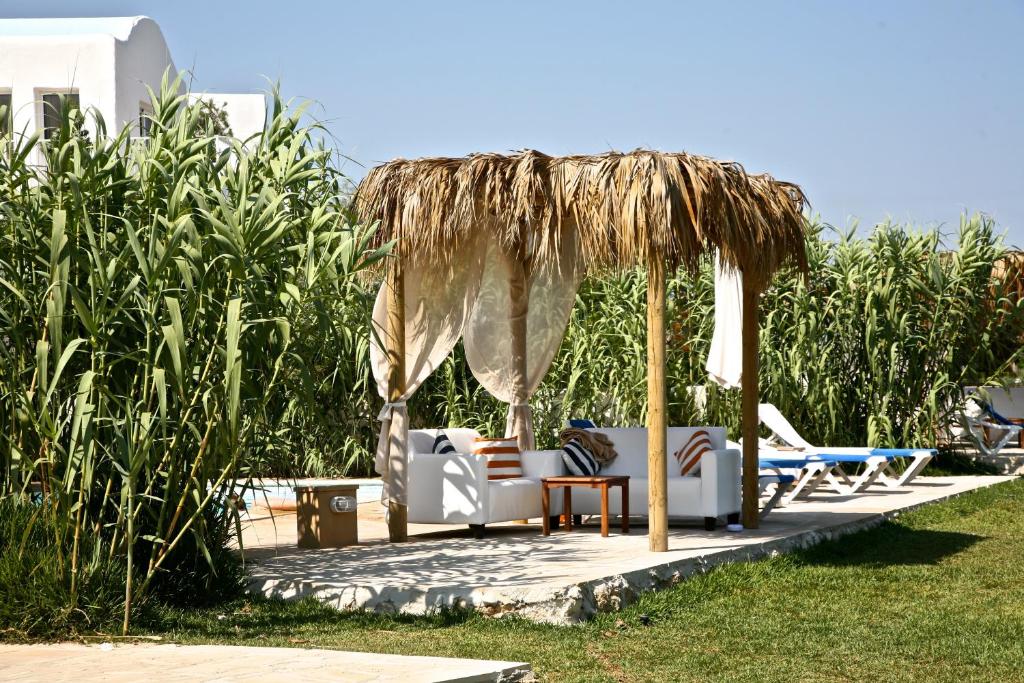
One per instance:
(447, 488)
(537, 464)
(720, 482)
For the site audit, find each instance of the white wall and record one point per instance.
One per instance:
(108, 62)
(32, 65)
(1007, 402)
(140, 61)
(246, 112)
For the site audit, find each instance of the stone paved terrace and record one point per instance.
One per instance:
(562, 578)
(72, 663)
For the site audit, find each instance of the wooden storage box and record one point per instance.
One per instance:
(326, 515)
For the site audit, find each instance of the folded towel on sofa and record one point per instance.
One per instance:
(597, 443)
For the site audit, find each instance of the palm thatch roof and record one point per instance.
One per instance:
(624, 208)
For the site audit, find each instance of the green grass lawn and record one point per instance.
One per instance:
(937, 595)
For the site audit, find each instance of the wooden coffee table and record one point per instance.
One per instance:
(596, 482)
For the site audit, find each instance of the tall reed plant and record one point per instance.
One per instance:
(162, 300)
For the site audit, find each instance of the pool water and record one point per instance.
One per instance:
(268, 491)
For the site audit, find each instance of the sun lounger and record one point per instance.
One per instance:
(811, 473)
(990, 432)
(780, 481)
(878, 462)
(802, 476)
(818, 470)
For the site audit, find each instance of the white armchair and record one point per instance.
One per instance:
(454, 489)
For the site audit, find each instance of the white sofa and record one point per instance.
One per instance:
(713, 494)
(453, 488)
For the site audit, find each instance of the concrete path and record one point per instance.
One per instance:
(1007, 461)
(562, 578)
(69, 663)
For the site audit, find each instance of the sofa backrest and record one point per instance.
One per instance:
(631, 446)
(422, 440)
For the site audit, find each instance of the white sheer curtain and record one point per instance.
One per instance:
(438, 302)
(517, 325)
(511, 316)
(725, 357)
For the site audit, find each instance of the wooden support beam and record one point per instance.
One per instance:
(398, 518)
(657, 496)
(750, 399)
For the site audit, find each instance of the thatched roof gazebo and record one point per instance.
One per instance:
(609, 211)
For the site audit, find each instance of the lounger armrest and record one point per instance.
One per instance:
(448, 487)
(537, 464)
(720, 482)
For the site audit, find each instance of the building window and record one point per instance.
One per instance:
(52, 110)
(6, 115)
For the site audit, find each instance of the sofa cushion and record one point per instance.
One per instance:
(510, 499)
(684, 498)
(422, 440)
(442, 444)
(578, 459)
(631, 445)
(502, 455)
(463, 438)
(688, 455)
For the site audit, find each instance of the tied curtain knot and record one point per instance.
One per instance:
(388, 409)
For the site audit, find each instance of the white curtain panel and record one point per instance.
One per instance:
(725, 358)
(490, 338)
(438, 302)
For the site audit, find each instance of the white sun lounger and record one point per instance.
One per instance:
(787, 476)
(819, 470)
(771, 478)
(877, 462)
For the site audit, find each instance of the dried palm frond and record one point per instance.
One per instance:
(625, 208)
(1009, 270)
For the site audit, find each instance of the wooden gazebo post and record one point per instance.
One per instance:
(398, 519)
(657, 495)
(749, 388)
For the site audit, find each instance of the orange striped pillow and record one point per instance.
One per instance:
(692, 451)
(502, 457)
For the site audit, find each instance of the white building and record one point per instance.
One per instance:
(102, 63)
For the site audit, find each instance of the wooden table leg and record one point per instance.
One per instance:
(567, 506)
(604, 509)
(545, 500)
(624, 489)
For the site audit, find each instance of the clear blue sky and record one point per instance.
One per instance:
(911, 109)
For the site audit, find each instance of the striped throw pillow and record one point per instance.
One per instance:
(442, 444)
(692, 451)
(578, 458)
(502, 457)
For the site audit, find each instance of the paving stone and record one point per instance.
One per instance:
(72, 663)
